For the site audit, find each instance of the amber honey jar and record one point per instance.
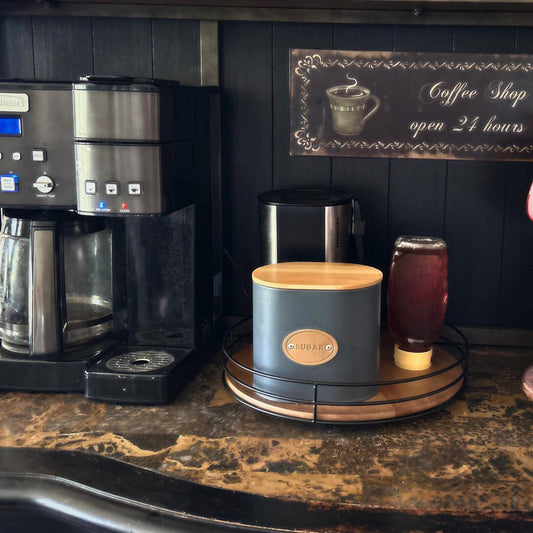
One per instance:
(417, 296)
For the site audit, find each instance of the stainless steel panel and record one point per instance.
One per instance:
(269, 239)
(116, 115)
(337, 232)
(121, 164)
(43, 317)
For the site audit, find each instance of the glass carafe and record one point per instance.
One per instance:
(55, 281)
(88, 290)
(14, 264)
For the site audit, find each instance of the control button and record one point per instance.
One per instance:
(17, 156)
(44, 184)
(9, 183)
(135, 189)
(38, 155)
(101, 205)
(111, 188)
(1, 155)
(90, 187)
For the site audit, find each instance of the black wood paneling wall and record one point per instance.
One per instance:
(478, 207)
(65, 48)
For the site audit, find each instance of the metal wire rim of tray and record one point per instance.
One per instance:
(433, 389)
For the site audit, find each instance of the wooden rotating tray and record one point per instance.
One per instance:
(397, 400)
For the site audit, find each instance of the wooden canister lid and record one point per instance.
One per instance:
(317, 276)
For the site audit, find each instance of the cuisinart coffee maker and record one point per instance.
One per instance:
(110, 252)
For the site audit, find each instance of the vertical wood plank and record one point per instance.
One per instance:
(363, 37)
(123, 47)
(516, 309)
(496, 40)
(417, 198)
(62, 48)
(475, 211)
(246, 68)
(474, 226)
(176, 47)
(16, 48)
(524, 41)
(426, 38)
(295, 171)
(367, 179)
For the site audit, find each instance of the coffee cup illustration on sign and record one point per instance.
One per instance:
(350, 107)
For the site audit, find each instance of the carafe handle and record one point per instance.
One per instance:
(44, 330)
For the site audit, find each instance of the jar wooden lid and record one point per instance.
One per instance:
(317, 276)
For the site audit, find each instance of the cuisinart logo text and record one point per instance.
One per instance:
(14, 102)
(310, 347)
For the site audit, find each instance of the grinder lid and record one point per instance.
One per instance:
(94, 82)
(317, 276)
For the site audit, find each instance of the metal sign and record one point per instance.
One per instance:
(414, 105)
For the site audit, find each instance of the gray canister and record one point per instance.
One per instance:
(317, 323)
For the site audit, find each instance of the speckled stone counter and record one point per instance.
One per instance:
(474, 456)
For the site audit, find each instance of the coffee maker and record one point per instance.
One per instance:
(110, 252)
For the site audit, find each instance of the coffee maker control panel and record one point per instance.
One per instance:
(36, 145)
(112, 188)
(116, 179)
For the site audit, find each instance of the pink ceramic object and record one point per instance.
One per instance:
(530, 202)
(527, 382)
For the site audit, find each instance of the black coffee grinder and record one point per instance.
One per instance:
(110, 253)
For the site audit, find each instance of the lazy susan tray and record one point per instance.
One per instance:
(401, 393)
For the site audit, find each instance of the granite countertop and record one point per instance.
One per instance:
(472, 459)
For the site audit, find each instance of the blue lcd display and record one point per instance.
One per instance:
(10, 126)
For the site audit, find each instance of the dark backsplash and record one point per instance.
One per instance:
(477, 207)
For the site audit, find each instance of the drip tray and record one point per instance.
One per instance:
(139, 374)
(140, 361)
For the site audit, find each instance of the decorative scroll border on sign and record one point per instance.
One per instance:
(323, 68)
